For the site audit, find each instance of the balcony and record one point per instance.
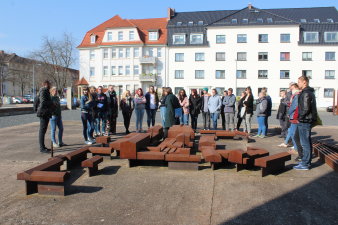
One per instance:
(150, 77)
(147, 60)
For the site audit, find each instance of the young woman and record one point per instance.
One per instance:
(87, 105)
(239, 110)
(56, 120)
(261, 111)
(151, 105)
(163, 106)
(248, 104)
(194, 108)
(184, 103)
(127, 106)
(171, 103)
(140, 105)
(214, 106)
(94, 111)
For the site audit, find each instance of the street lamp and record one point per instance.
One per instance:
(38, 64)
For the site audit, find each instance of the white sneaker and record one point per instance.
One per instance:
(55, 145)
(92, 141)
(283, 145)
(88, 143)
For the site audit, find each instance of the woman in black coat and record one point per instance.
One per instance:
(127, 106)
(194, 108)
(248, 104)
(239, 108)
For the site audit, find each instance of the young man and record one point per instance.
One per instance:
(214, 105)
(101, 101)
(44, 111)
(282, 114)
(205, 109)
(112, 109)
(307, 115)
(268, 110)
(229, 102)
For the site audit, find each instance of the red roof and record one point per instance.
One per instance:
(142, 25)
(83, 81)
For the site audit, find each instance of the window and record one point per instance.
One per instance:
(239, 91)
(178, 39)
(220, 39)
(153, 36)
(179, 57)
(136, 52)
(316, 20)
(127, 72)
(177, 90)
(179, 74)
(241, 56)
(307, 56)
(131, 35)
(311, 37)
(199, 74)
(120, 70)
(234, 21)
(285, 74)
(303, 20)
(220, 74)
(93, 39)
(330, 56)
(245, 21)
(105, 71)
(120, 35)
(328, 92)
(120, 52)
(196, 38)
(105, 53)
(307, 73)
(262, 74)
(263, 38)
(262, 56)
(113, 53)
(92, 71)
(200, 23)
(269, 20)
(259, 20)
(199, 56)
(330, 74)
(150, 52)
(179, 24)
(285, 38)
(92, 54)
(159, 52)
(285, 56)
(190, 23)
(127, 52)
(136, 70)
(331, 36)
(220, 56)
(110, 36)
(113, 70)
(241, 38)
(241, 74)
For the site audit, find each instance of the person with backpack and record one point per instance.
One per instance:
(44, 108)
(56, 120)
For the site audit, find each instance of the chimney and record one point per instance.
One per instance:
(250, 6)
(171, 13)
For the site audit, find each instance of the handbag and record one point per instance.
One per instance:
(178, 112)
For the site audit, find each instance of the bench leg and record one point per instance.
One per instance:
(31, 187)
(275, 167)
(52, 188)
(131, 163)
(240, 167)
(93, 170)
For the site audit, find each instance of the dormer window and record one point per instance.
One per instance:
(316, 20)
(93, 39)
(190, 23)
(303, 20)
(269, 20)
(179, 24)
(330, 20)
(120, 36)
(110, 36)
(259, 20)
(153, 35)
(234, 21)
(245, 21)
(200, 22)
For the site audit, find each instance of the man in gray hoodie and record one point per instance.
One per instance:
(229, 102)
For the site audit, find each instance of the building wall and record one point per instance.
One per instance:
(274, 83)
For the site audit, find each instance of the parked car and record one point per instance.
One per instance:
(17, 100)
(76, 103)
(29, 98)
(330, 108)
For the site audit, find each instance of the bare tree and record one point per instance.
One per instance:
(3, 72)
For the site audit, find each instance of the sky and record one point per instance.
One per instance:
(23, 23)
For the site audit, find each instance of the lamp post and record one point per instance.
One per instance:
(34, 79)
(236, 77)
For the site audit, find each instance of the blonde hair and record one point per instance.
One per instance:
(124, 95)
(52, 89)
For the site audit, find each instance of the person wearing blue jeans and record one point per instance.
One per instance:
(140, 102)
(214, 106)
(184, 103)
(268, 109)
(87, 105)
(261, 109)
(101, 105)
(152, 102)
(56, 120)
(307, 116)
(163, 108)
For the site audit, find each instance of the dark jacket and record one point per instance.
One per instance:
(147, 96)
(46, 106)
(94, 112)
(269, 105)
(86, 106)
(127, 105)
(262, 106)
(162, 101)
(282, 109)
(195, 105)
(101, 103)
(240, 106)
(171, 103)
(249, 105)
(112, 103)
(307, 107)
(57, 106)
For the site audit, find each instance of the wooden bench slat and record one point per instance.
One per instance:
(48, 176)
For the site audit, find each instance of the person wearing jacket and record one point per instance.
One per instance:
(112, 109)
(127, 106)
(248, 109)
(268, 110)
(56, 120)
(214, 106)
(261, 111)
(225, 93)
(101, 108)
(162, 106)
(194, 108)
(151, 105)
(94, 112)
(87, 105)
(282, 114)
(184, 103)
(204, 108)
(171, 103)
(140, 105)
(307, 116)
(229, 102)
(239, 109)
(44, 112)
